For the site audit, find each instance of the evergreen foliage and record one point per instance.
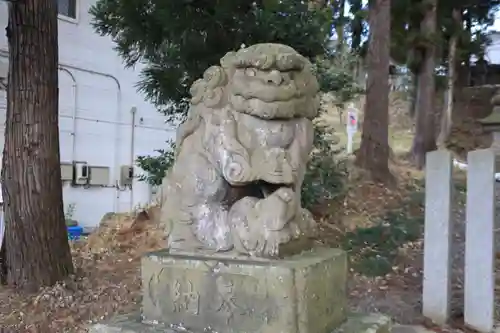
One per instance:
(177, 40)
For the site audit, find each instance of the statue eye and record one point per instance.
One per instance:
(250, 72)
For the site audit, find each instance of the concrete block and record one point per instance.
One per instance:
(479, 288)
(370, 323)
(355, 323)
(129, 324)
(438, 236)
(305, 293)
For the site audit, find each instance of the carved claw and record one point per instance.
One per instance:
(259, 226)
(273, 241)
(305, 223)
(277, 210)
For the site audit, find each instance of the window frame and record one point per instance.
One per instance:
(69, 18)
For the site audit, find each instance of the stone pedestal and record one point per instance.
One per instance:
(304, 293)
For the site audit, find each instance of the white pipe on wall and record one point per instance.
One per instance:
(5, 53)
(73, 113)
(121, 123)
(133, 110)
(118, 111)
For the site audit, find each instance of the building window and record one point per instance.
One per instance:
(67, 8)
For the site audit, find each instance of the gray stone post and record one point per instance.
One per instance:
(479, 289)
(438, 236)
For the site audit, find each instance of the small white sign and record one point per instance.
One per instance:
(351, 127)
(352, 120)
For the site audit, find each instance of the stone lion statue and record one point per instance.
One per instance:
(241, 157)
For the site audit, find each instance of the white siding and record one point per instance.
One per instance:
(3, 107)
(493, 50)
(96, 95)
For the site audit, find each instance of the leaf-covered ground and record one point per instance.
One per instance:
(379, 227)
(106, 281)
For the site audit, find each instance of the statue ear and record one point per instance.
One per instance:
(210, 89)
(197, 91)
(214, 97)
(215, 76)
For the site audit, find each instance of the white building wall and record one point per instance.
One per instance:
(493, 50)
(96, 95)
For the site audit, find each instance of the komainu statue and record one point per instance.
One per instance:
(241, 157)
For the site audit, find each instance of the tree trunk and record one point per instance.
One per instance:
(467, 16)
(356, 24)
(446, 117)
(413, 96)
(3, 255)
(425, 139)
(340, 26)
(36, 239)
(3, 265)
(373, 155)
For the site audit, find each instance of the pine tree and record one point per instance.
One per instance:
(178, 40)
(373, 154)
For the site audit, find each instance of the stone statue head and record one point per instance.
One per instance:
(269, 81)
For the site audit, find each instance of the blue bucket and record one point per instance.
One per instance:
(75, 232)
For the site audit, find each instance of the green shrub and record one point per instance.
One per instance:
(157, 166)
(325, 176)
(335, 75)
(69, 212)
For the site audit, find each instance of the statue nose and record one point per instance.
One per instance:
(274, 77)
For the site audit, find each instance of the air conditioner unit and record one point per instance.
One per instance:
(81, 173)
(126, 175)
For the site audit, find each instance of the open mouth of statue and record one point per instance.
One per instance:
(259, 189)
(262, 189)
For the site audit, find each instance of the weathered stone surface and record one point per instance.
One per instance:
(371, 323)
(305, 293)
(410, 329)
(479, 274)
(129, 324)
(241, 157)
(439, 233)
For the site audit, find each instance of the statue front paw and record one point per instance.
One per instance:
(278, 209)
(304, 224)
